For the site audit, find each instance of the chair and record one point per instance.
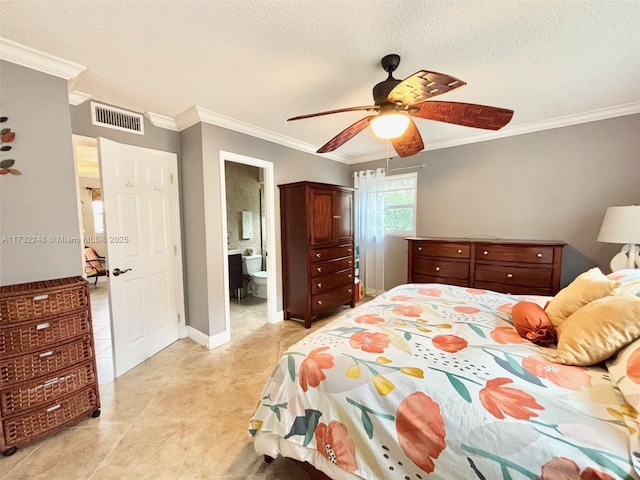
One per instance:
(94, 264)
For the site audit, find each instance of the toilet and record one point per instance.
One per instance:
(251, 265)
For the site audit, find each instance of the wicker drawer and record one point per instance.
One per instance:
(442, 249)
(29, 337)
(441, 268)
(44, 362)
(507, 275)
(330, 282)
(325, 268)
(328, 301)
(21, 429)
(331, 253)
(46, 389)
(29, 301)
(514, 253)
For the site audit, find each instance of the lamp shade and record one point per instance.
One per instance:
(621, 225)
(390, 125)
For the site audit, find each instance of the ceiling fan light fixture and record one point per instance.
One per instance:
(390, 125)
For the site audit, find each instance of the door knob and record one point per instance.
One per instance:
(117, 271)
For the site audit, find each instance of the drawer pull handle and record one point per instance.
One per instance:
(46, 354)
(40, 297)
(437, 269)
(319, 302)
(336, 216)
(539, 255)
(350, 290)
(349, 276)
(42, 326)
(349, 250)
(486, 252)
(54, 408)
(349, 262)
(459, 251)
(319, 269)
(509, 275)
(419, 249)
(320, 285)
(318, 255)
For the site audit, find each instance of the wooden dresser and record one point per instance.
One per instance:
(509, 266)
(48, 377)
(317, 248)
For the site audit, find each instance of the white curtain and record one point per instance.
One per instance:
(369, 226)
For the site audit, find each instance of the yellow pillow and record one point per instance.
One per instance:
(587, 287)
(598, 330)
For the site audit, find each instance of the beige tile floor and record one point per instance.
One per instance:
(182, 414)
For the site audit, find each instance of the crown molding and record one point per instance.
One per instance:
(197, 114)
(78, 98)
(532, 127)
(43, 62)
(162, 121)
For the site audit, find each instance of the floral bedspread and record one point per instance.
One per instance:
(432, 381)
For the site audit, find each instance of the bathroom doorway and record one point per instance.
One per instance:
(248, 208)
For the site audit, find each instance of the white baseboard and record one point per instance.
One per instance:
(209, 342)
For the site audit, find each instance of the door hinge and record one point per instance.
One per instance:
(175, 250)
(178, 318)
(171, 178)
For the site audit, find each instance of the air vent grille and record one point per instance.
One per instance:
(112, 117)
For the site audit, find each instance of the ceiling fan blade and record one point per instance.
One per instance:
(345, 135)
(340, 110)
(421, 86)
(410, 142)
(467, 114)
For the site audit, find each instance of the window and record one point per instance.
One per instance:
(98, 216)
(400, 204)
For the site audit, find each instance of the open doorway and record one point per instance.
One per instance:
(249, 231)
(91, 213)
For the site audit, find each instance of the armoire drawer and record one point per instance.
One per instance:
(508, 275)
(442, 249)
(325, 268)
(441, 268)
(330, 253)
(28, 337)
(328, 301)
(514, 253)
(329, 282)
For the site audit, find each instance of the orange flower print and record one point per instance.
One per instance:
(466, 309)
(449, 343)
(420, 429)
(501, 401)
(476, 291)
(370, 319)
(505, 334)
(334, 444)
(430, 292)
(371, 342)
(573, 378)
(311, 373)
(401, 298)
(633, 366)
(408, 310)
(506, 308)
(561, 468)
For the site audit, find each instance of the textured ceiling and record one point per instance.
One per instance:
(261, 62)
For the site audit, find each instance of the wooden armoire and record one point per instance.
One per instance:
(317, 249)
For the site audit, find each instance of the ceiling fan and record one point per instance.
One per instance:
(398, 100)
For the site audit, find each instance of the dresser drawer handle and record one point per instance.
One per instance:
(319, 302)
(459, 250)
(319, 269)
(349, 276)
(318, 255)
(40, 297)
(349, 262)
(539, 255)
(349, 250)
(509, 275)
(54, 408)
(336, 216)
(42, 326)
(350, 291)
(320, 285)
(486, 252)
(419, 249)
(437, 269)
(46, 354)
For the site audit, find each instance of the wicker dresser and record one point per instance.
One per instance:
(509, 266)
(48, 377)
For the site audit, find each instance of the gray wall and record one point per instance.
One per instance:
(42, 201)
(553, 184)
(203, 222)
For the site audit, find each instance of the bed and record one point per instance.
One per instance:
(432, 381)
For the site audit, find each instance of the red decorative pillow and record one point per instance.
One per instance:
(532, 323)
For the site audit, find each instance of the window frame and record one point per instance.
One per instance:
(404, 233)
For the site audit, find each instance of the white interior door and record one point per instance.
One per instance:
(141, 246)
